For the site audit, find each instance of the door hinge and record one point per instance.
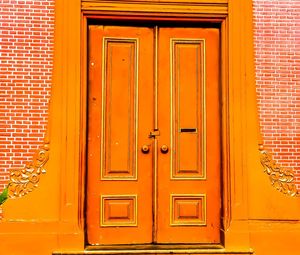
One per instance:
(154, 133)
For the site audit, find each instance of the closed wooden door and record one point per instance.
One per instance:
(153, 135)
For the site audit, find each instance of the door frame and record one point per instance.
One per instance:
(69, 107)
(151, 22)
(102, 17)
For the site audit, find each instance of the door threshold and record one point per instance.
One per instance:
(153, 247)
(156, 249)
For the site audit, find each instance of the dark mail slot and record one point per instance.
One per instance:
(190, 130)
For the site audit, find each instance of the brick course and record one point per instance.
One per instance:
(277, 56)
(26, 49)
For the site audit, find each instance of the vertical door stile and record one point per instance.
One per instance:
(155, 190)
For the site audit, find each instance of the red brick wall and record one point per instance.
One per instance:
(26, 49)
(277, 52)
(26, 63)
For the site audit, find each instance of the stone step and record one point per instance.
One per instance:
(156, 251)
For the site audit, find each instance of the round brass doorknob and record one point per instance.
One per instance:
(164, 148)
(145, 149)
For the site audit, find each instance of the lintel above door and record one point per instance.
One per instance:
(213, 8)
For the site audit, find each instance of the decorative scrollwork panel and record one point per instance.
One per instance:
(24, 181)
(281, 178)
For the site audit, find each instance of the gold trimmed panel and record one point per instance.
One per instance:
(187, 209)
(175, 171)
(118, 211)
(282, 179)
(131, 172)
(25, 180)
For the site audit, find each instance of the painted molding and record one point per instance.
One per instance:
(25, 180)
(282, 179)
(215, 7)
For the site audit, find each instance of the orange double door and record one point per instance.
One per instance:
(153, 157)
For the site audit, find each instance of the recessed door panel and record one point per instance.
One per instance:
(120, 105)
(153, 136)
(188, 107)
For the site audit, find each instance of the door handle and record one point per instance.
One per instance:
(164, 149)
(145, 149)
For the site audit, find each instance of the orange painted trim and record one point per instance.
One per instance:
(228, 196)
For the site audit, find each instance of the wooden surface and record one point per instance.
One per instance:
(117, 168)
(120, 198)
(188, 97)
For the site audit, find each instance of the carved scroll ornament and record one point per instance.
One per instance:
(281, 178)
(24, 181)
